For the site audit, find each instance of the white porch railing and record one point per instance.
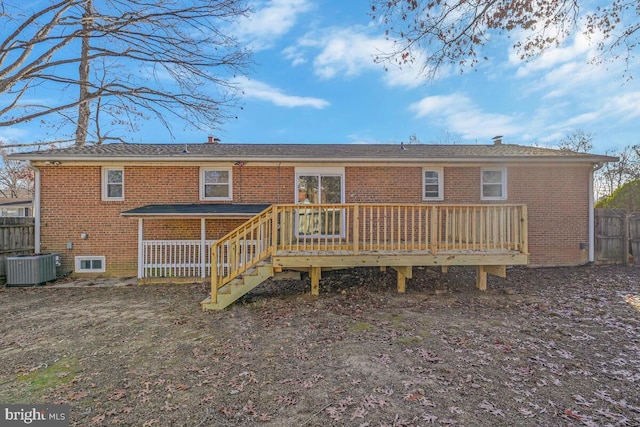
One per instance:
(184, 258)
(176, 258)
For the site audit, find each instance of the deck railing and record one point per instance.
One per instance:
(368, 228)
(402, 227)
(243, 248)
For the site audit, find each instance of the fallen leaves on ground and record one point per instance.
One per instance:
(557, 347)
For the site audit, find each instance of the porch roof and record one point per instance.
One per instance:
(198, 210)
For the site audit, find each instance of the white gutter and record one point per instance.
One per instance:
(36, 208)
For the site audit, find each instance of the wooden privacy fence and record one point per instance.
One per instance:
(17, 237)
(617, 236)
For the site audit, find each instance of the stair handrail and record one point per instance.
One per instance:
(256, 236)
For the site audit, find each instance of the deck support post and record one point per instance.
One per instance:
(481, 277)
(445, 269)
(401, 283)
(404, 272)
(315, 273)
(483, 270)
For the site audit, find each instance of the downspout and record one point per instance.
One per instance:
(592, 222)
(36, 208)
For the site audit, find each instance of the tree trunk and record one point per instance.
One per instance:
(84, 110)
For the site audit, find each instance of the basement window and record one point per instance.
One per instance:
(90, 264)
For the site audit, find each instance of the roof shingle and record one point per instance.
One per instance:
(305, 152)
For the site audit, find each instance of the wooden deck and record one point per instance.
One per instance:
(314, 238)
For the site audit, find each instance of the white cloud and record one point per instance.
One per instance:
(580, 49)
(264, 92)
(624, 107)
(350, 52)
(12, 134)
(270, 21)
(460, 115)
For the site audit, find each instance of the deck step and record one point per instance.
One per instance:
(239, 286)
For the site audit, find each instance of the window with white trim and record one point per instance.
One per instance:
(215, 184)
(432, 184)
(90, 264)
(320, 186)
(112, 183)
(493, 184)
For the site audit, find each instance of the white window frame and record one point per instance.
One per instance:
(105, 183)
(440, 172)
(328, 171)
(321, 171)
(203, 170)
(79, 259)
(503, 183)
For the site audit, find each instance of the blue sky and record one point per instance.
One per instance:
(314, 81)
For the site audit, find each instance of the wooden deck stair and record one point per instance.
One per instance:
(239, 286)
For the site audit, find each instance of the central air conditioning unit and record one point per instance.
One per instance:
(31, 270)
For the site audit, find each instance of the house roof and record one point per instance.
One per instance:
(307, 153)
(10, 202)
(196, 210)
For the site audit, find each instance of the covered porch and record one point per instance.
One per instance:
(178, 258)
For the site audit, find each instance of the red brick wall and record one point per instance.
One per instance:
(383, 184)
(71, 204)
(557, 199)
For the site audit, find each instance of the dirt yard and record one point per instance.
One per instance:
(546, 347)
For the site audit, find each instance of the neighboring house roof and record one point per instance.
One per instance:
(17, 202)
(196, 210)
(308, 153)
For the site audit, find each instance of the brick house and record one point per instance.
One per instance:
(117, 209)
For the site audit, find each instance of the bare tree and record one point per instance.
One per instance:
(579, 141)
(112, 63)
(16, 178)
(610, 176)
(456, 32)
(614, 175)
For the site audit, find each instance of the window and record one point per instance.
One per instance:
(320, 186)
(90, 264)
(113, 184)
(215, 184)
(494, 184)
(14, 212)
(432, 187)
